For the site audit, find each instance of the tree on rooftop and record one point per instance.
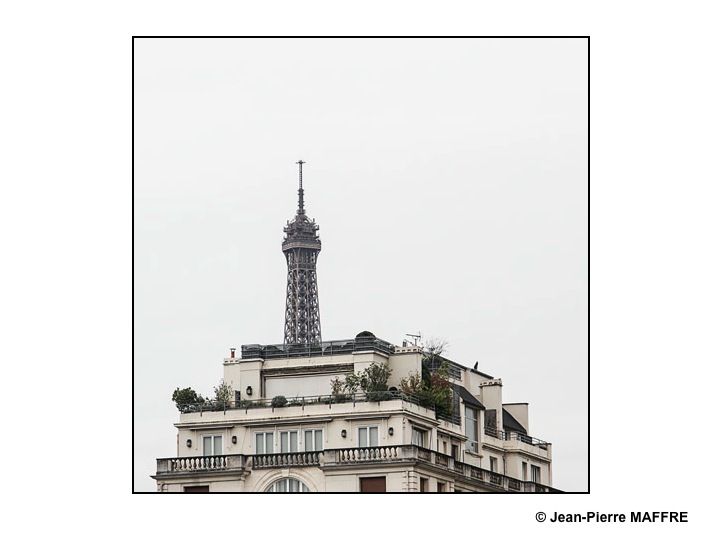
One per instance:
(186, 396)
(432, 387)
(372, 380)
(223, 392)
(336, 386)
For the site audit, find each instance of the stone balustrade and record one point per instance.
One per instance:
(292, 459)
(199, 464)
(342, 457)
(371, 453)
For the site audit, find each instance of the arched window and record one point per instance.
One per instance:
(287, 485)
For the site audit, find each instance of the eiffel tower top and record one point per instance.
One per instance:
(301, 232)
(301, 192)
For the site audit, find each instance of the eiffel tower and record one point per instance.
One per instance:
(301, 246)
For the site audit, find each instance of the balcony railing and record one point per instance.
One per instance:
(513, 435)
(326, 348)
(200, 464)
(338, 457)
(365, 454)
(326, 399)
(292, 459)
(408, 452)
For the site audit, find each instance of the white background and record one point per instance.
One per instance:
(449, 181)
(67, 244)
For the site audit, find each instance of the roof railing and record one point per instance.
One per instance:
(325, 348)
(514, 435)
(325, 399)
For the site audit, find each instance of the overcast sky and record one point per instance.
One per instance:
(449, 180)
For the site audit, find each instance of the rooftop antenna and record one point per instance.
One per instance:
(301, 205)
(415, 337)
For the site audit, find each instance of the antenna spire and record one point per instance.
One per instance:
(301, 202)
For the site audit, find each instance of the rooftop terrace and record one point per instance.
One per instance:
(364, 341)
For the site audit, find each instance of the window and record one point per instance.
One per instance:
(288, 441)
(524, 470)
(264, 443)
(493, 464)
(455, 451)
(313, 440)
(196, 489)
(441, 487)
(418, 437)
(287, 485)
(368, 436)
(372, 485)
(424, 485)
(212, 445)
(471, 429)
(444, 447)
(535, 473)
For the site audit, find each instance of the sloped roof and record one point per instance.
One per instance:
(467, 397)
(511, 424)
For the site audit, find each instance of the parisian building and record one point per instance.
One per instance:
(350, 415)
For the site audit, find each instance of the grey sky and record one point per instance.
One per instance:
(449, 180)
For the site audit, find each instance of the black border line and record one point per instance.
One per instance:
(132, 190)
(588, 261)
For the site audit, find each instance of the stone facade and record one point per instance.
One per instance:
(319, 442)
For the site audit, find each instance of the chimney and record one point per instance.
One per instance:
(232, 352)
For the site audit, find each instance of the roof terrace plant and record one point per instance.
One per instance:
(372, 381)
(186, 398)
(432, 387)
(223, 393)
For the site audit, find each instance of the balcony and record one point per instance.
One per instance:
(204, 464)
(370, 454)
(293, 459)
(348, 457)
(299, 401)
(415, 454)
(513, 435)
(513, 441)
(357, 402)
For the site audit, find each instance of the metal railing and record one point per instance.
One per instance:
(297, 401)
(326, 348)
(514, 435)
(434, 362)
(326, 399)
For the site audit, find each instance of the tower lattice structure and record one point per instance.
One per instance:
(301, 246)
